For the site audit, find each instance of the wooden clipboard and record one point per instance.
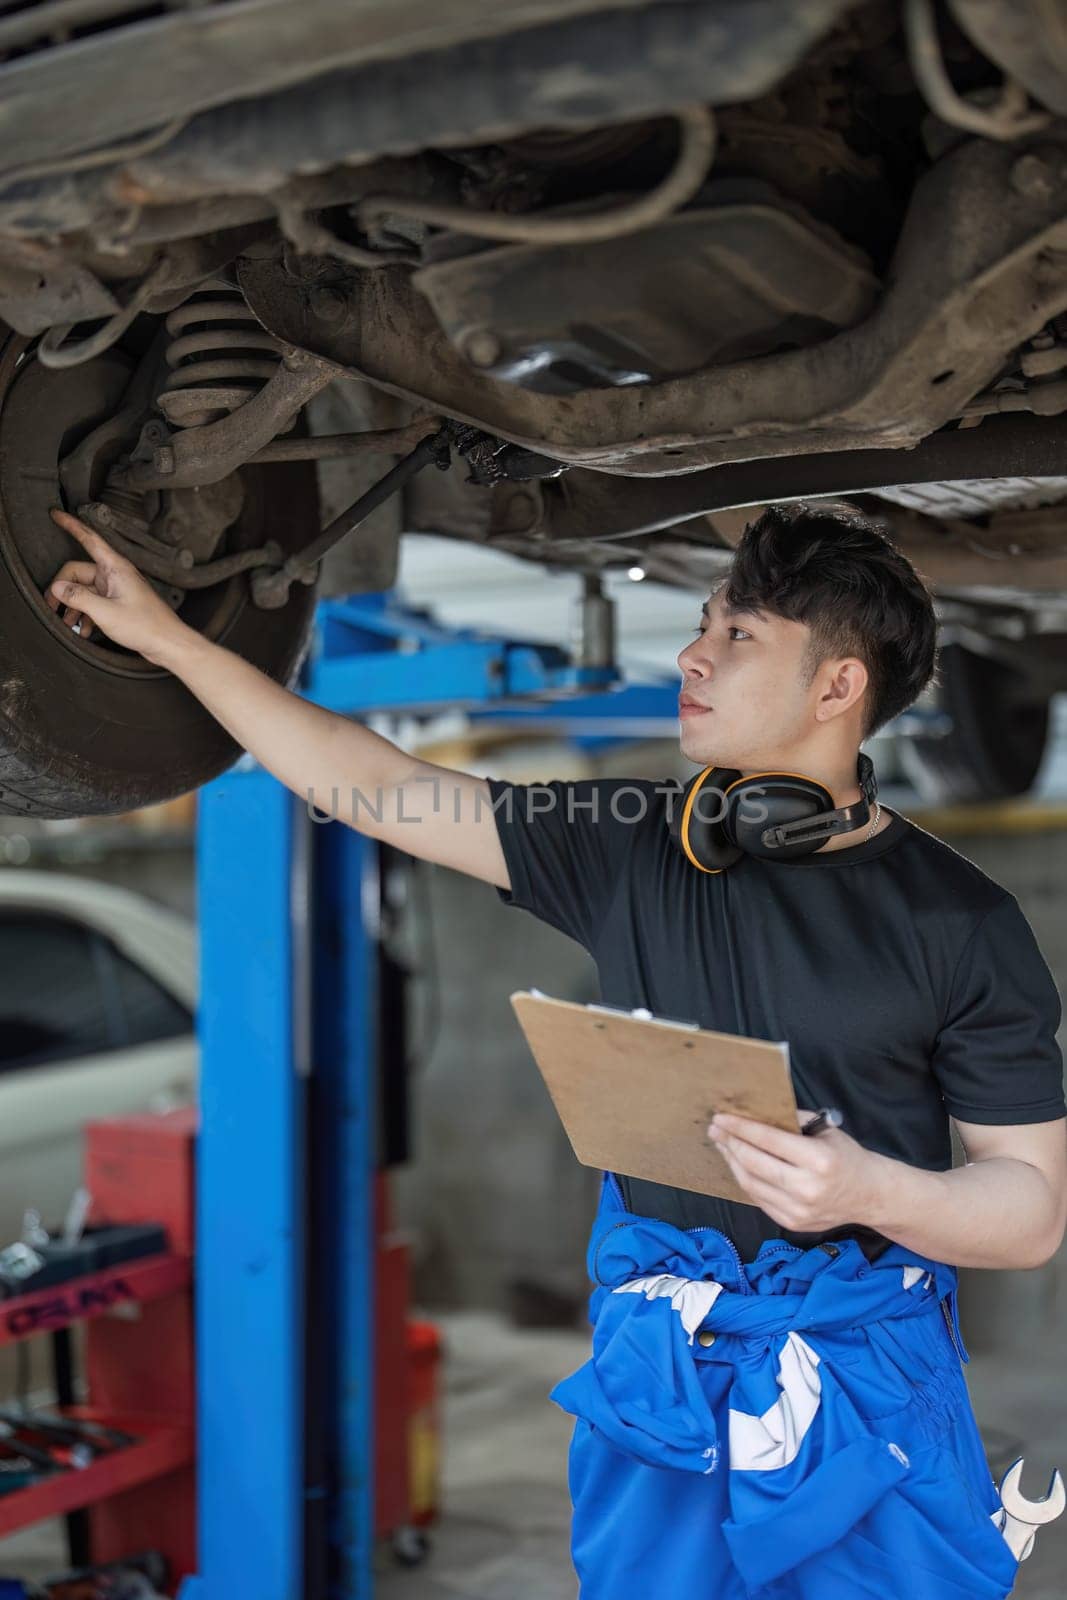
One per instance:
(635, 1093)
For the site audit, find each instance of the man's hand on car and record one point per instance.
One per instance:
(806, 1185)
(109, 593)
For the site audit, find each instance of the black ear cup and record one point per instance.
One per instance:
(696, 820)
(765, 801)
(720, 816)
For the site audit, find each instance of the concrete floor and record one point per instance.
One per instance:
(506, 1529)
(504, 1535)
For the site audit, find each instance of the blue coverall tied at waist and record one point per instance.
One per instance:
(812, 1406)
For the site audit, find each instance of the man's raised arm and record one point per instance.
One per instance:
(342, 769)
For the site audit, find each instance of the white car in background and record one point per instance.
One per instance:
(98, 990)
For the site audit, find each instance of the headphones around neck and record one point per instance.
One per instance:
(721, 816)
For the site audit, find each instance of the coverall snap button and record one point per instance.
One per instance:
(706, 1338)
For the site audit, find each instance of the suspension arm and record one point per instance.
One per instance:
(338, 446)
(197, 456)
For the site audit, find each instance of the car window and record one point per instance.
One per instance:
(147, 1011)
(53, 1004)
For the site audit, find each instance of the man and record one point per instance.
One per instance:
(775, 1404)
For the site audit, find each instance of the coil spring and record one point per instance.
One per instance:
(220, 355)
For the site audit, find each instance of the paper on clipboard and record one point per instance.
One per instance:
(635, 1093)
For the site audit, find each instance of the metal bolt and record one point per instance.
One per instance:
(328, 304)
(481, 347)
(1033, 178)
(163, 460)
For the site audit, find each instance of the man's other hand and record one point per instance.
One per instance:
(805, 1184)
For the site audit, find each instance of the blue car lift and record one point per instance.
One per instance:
(288, 1097)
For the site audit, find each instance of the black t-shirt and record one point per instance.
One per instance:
(907, 983)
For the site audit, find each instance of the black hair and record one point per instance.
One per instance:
(834, 571)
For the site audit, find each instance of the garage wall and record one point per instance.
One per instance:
(494, 1196)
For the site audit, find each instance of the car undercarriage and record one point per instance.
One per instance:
(622, 272)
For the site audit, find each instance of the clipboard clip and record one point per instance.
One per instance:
(641, 1014)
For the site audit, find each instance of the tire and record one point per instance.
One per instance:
(84, 736)
(998, 735)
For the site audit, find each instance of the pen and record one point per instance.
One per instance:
(826, 1118)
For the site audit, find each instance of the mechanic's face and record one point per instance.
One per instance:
(745, 699)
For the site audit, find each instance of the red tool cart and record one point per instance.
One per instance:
(140, 1364)
(139, 1354)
